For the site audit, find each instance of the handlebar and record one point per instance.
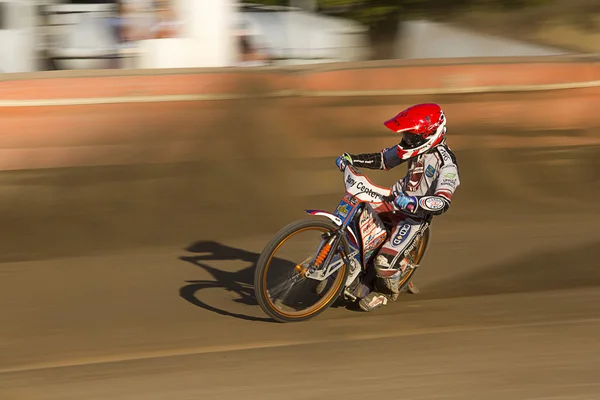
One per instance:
(388, 199)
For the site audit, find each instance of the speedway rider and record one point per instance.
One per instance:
(432, 171)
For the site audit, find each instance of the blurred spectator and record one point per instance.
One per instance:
(147, 19)
(166, 25)
(136, 19)
(250, 52)
(250, 55)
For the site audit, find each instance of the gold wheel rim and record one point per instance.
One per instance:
(321, 303)
(420, 251)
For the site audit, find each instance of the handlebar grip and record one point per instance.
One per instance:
(388, 199)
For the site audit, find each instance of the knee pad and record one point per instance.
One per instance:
(383, 266)
(388, 277)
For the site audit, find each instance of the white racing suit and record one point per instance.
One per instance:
(434, 173)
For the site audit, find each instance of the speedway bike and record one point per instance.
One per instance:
(340, 264)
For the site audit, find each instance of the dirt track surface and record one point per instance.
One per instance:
(509, 304)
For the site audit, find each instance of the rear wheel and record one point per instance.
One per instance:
(282, 289)
(417, 254)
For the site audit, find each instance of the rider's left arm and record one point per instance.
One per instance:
(446, 184)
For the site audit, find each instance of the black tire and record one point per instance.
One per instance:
(264, 260)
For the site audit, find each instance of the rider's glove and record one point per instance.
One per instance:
(343, 160)
(407, 203)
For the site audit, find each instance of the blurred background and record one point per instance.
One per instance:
(80, 34)
(150, 149)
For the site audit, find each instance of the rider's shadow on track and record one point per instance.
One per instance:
(239, 282)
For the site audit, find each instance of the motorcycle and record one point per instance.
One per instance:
(341, 267)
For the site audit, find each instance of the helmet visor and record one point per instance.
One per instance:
(410, 140)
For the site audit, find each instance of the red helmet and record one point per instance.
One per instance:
(422, 126)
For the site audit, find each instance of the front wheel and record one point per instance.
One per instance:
(282, 289)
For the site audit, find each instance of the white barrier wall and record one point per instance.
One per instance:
(426, 39)
(206, 37)
(17, 36)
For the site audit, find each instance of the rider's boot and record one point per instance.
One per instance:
(372, 301)
(386, 286)
(386, 290)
